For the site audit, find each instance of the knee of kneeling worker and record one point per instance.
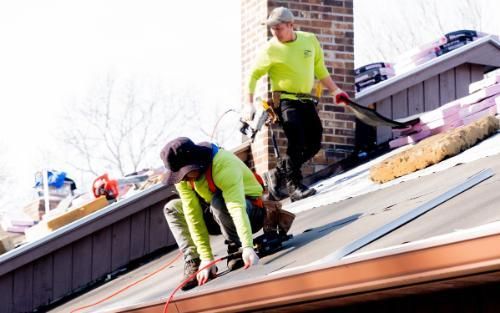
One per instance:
(173, 207)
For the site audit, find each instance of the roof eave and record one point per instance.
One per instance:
(437, 266)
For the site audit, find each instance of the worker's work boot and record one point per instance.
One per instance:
(274, 179)
(190, 268)
(297, 191)
(235, 259)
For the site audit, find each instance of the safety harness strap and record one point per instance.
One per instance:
(256, 201)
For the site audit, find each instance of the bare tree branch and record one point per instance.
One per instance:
(121, 126)
(395, 26)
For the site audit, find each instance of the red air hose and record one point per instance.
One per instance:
(128, 286)
(165, 308)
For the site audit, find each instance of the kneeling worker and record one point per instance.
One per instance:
(213, 184)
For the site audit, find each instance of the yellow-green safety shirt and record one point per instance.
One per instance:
(291, 66)
(236, 181)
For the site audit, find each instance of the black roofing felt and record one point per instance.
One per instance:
(321, 231)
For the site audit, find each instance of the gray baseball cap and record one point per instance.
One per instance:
(279, 15)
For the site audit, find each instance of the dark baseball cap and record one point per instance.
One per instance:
(181, 156)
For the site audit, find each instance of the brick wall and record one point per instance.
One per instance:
(332, 22)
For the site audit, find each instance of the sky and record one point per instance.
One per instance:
(54, 50)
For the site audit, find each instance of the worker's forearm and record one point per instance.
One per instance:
(329, 84)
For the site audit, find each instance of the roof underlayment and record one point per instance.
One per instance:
(347, 208)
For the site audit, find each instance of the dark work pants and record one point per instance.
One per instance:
(303, 130)
(216, 213)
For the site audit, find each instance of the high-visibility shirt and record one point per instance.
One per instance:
(236, 181)
(291, 66)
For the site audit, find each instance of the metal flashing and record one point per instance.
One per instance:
(406, 218)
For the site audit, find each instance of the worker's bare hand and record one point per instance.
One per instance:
(340, 96)
(248, 112)
(250, 257)
(204, 275)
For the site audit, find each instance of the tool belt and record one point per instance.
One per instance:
(302, 97)
(276, 220)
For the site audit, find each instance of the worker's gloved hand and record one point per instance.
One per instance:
(250, 257)
(248, 112)
(204, 275)
(340, 96)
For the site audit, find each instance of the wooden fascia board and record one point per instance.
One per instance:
(454, 260)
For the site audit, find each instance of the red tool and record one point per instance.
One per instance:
(103, 186)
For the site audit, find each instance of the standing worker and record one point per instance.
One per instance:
(292, 59)
(218, 193)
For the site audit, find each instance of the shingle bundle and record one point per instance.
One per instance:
(372, 74)
(483, 100)
(16, 222)
(444, 44)
(454, 40)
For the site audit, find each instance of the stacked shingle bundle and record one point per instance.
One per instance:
(431, 50)
(372, 74)
(456, 39)
(16, 222)
(417, 56)
(483, 100)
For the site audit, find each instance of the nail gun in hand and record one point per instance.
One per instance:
(267, 117)
(250, 132)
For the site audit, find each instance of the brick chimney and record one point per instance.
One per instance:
(332, 22)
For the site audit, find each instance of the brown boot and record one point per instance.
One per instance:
(274, 180)
(190, 267)
(234, 260)
(298, 191)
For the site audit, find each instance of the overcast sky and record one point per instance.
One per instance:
(53, 50)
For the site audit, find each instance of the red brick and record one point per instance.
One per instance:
(335, 3)
(345, 132)
(321, 24)
(321, 8)
(327, 131)
(335, 139)
(338, 78)
(344, 117)
(298, 6)
(338, 108)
